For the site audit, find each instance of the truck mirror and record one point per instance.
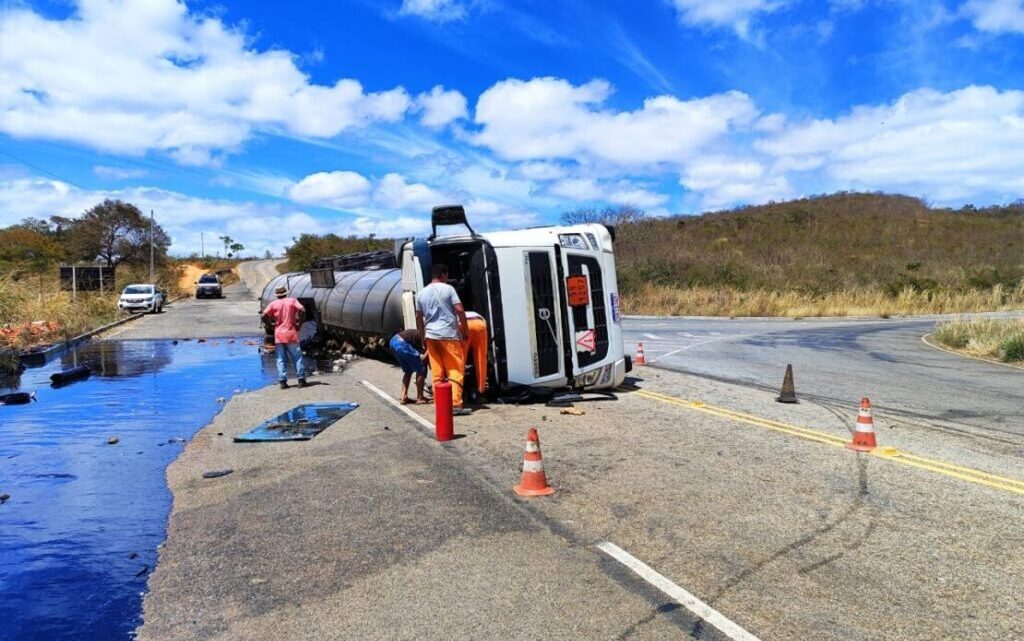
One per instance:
(446, 215)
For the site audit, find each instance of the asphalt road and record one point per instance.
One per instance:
(836, 362)
(257, 273)
(374, 531)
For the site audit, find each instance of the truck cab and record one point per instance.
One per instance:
(549, 296)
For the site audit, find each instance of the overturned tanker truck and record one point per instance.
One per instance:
(549, 296)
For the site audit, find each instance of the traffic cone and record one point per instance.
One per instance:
(788, 393)
(864, 433)
(640, 360)
(534, 482)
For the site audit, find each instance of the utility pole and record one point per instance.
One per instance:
(151, 246)
(202, 244)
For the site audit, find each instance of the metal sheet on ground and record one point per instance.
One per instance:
(300, 423)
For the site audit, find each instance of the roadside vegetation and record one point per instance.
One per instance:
(34, 310)
(992, 338)
(839, 255)
(308, 247)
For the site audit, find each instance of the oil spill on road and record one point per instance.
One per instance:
(80, 530)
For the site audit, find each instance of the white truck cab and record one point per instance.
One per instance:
(549, 296)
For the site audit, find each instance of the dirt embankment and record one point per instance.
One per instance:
(190, 273)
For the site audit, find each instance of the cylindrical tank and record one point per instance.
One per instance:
(364, 303)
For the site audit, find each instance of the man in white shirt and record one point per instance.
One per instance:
(441, 320)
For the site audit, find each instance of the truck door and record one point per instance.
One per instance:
(587, 315)
(543, 300)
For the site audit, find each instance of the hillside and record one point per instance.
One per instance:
(842, 254)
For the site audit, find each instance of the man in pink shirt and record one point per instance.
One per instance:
(286, 314)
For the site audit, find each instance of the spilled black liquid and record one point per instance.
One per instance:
(79, 533)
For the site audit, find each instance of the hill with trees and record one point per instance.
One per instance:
(842, 254)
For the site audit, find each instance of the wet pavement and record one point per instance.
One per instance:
(79, 533)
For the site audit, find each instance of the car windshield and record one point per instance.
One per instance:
(138, 289)
(208, 278)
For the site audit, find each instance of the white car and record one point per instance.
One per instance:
(147, 298)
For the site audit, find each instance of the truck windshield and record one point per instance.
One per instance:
(138, 289)
(208, 278)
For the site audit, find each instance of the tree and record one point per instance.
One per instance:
(235, 248)
(227, 240)
(114, 232)
(37, 225)
(24, 247)
(620, 215)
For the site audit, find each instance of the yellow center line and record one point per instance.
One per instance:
(979, 477)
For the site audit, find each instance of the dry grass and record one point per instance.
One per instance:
(662, 300)
(845, 254)
(1001, 339)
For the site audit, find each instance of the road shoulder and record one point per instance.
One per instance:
(369, 531)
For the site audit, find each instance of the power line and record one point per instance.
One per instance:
(40, 169)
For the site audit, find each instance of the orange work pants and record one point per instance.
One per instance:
(477, 345)
(447, 362)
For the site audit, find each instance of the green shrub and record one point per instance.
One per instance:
(1012, 349)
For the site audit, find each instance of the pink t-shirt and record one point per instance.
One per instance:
(283, 312)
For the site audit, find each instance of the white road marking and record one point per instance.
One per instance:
(653, 337)
(678, 594)
(686, 334)
(682, 349)
(408, 412)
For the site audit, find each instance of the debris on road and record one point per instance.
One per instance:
(300, 423)
(4, 498)
(69, 376)
(17, 398)
(112, 440)
(212, 474)
(572, 411)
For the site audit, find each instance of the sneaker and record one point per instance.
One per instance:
(461, 411)
(284, 384)
(303, 383)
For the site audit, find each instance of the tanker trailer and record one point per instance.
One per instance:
(549, 296)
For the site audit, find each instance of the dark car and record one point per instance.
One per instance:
(209, 286)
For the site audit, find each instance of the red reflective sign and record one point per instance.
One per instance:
(579, 291)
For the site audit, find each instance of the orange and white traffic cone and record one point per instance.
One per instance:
(864, 433)
(534, 482)
(640, 360)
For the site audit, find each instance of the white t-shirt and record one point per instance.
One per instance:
(436, 302)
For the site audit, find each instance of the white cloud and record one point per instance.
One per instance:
(951, 146)
(118, 173)
(434, 10)
(394, 192)
(721, 181)
(353, 192)
(337, 189)
(441, 107)
(620, 193)
(996, 16)
(541, 171)
(131, 77)
(549, 118)
(577, 189)
(626, 194)
(724, 13)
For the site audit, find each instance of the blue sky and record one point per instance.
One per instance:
(263, 121)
